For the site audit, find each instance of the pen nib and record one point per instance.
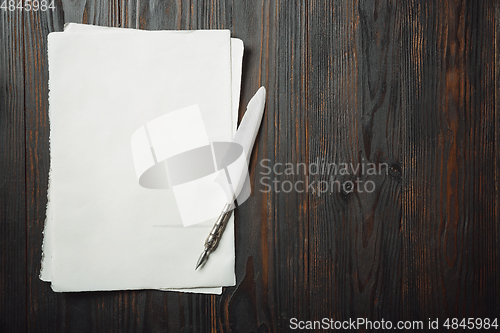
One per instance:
(202, 260)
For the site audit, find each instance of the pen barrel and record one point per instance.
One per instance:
(215, 235)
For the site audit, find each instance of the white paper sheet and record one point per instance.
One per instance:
(119, 236)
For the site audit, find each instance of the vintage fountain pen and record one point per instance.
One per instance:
(215, 235)
(244, 136)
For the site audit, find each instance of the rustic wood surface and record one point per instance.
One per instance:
(409, 83)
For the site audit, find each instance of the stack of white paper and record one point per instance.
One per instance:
(104, 231)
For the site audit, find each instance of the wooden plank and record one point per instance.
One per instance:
(252, 304)
(497, 143)
(41, 301)
(12, 174)
(449, 219)
(354, 113)
(497, 151)
(290, 211)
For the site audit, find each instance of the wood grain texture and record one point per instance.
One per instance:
(413, 84)
(249, 305)
(39, 298)
(355, 118)
(497, 135)
(450, 223)
(12, 175)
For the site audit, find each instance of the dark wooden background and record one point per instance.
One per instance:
(408, 83)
